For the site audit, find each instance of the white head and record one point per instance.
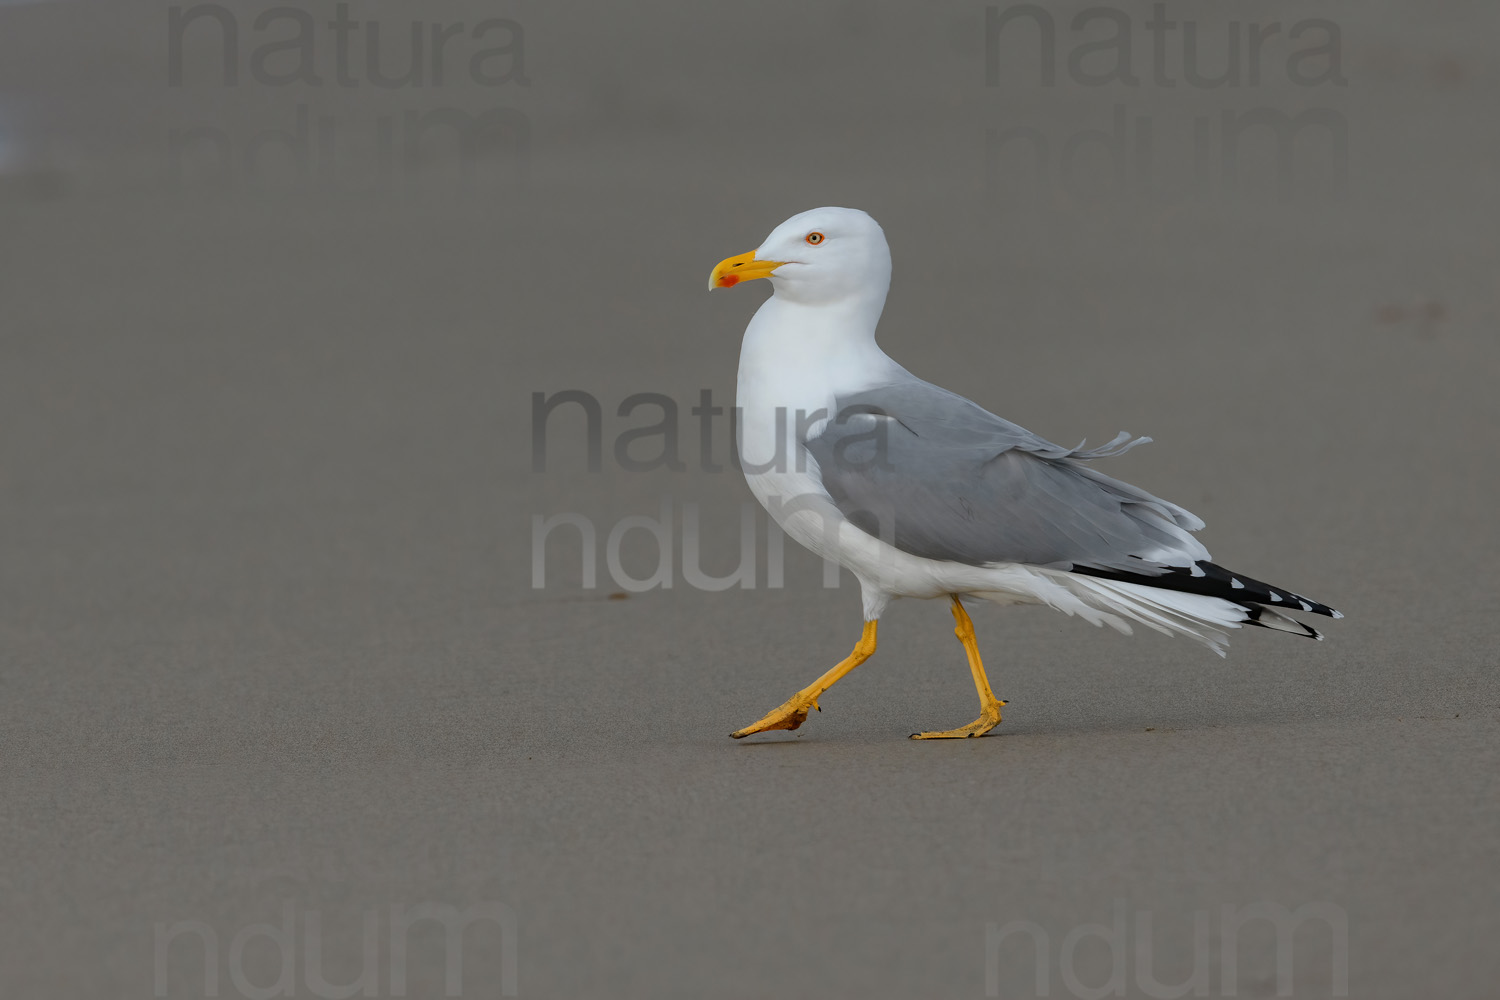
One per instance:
(823, 256)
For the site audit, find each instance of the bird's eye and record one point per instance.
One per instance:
(814, 238)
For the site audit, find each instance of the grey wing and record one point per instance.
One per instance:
(940, 477)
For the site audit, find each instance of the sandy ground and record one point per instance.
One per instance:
(274, 668)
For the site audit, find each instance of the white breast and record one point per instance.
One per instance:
(795, 362)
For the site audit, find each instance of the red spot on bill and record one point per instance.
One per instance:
(728, 281)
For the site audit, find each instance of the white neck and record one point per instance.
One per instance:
(798, 357)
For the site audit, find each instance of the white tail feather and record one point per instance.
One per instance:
(1112, 602)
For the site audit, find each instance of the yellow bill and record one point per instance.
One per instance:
(745, 267)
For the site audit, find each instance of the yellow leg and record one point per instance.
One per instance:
(794, 711)
(989, 705)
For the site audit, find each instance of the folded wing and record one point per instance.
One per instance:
(938, 476)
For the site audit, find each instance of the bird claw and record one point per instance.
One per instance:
(986, 721)
(788, 716)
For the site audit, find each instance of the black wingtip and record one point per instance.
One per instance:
(1213, 580)
(1273, 619)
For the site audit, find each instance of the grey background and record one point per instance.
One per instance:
(267, 624)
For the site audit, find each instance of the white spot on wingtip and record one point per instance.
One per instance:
(1197, 571)
(1305, 605)
(1236, 584)
(1338, 614)
(1275, 596)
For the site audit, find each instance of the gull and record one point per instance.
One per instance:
(922, 493)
